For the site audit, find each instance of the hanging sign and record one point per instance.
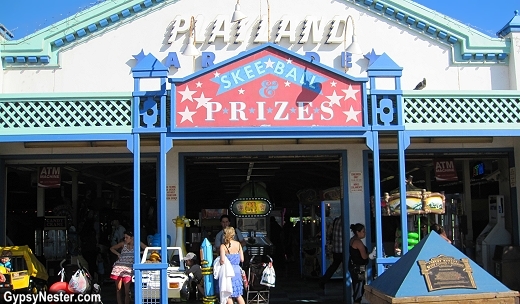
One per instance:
(49, 177)
(268, 89)
(250, 207)
(445, 170)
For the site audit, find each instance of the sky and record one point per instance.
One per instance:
(24, 17)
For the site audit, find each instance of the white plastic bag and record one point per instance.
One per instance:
(268, 276)
(79, 282)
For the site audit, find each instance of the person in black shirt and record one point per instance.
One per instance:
(358, 260)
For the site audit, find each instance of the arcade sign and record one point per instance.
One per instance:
(268, 89)
(250, 207)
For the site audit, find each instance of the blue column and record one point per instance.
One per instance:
(207, 271)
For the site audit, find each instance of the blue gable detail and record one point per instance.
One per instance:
(512, 26)
(151, 66)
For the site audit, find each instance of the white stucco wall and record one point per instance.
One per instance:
(103, 62)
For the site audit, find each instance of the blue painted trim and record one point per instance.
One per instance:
(234, 134)
(114, 18)
(410, 20)
(63, 137)
(32, 59)
(103, 22)
(9, 59)
(479, 56)
(70, 37)
(442, 35)
(378, 6)
(389, 11)
(420, 25)
(453, 40)
(45, 59)
(20, 59)
(377, 197)
(490, 56)
(92, 28)
(125, 13)
(368, 212)
(161, 209)
(137, 8)
(137, 219)
(467, 56)
(399, 16)
(59, 42)
(345, 213)
(462, 133)
(147, 3)
(81, 33)
(401, 146)
(431, 30)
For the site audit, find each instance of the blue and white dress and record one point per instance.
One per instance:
(236, 281)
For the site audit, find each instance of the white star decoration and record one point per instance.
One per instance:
(241, 91)
(216, 74)
(202, 100)
(350, 93)
(289, 61)
(269, 63)
(335, 99)
(187, 94)
(333, 84)
(287, 83)
(351, 114)
(186, 115)
(199, 84)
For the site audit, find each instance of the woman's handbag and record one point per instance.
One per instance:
(359, 272)
(268, 276)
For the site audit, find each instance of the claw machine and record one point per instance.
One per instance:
(54, 242)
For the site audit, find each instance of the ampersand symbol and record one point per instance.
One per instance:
(268, 88)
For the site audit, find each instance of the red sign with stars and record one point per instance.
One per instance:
(269, 89)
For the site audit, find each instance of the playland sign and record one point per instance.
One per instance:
(268, 89)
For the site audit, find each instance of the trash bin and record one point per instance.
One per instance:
(506, 260)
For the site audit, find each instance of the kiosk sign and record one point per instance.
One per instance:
(269, 89)
(444, 272)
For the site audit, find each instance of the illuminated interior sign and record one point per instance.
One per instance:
(250, 207)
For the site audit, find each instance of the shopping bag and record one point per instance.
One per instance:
(244, 278)
(79, 282)
(268, 276)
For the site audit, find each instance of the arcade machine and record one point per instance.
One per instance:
(54, 238)
(252, 208)
(493, 234)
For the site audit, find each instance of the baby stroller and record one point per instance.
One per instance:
(256, 292)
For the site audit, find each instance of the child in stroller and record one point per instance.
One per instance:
(256, 292)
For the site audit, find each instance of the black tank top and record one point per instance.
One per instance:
(355, 255)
